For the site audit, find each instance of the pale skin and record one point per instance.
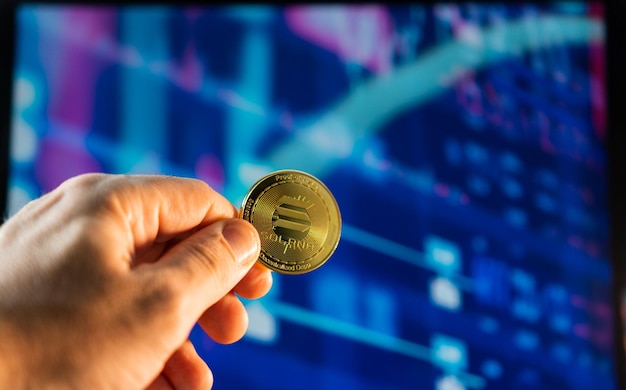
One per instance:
(102, 280)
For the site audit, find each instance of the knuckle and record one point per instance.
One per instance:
(83, 181)
(90, 189)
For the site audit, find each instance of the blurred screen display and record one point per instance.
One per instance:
(464, 143)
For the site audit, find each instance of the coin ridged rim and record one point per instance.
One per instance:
(325, 197)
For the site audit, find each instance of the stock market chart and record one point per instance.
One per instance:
(464, 143)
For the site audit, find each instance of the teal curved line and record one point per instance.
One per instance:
(317, 148)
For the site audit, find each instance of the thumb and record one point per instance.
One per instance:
(207, 265)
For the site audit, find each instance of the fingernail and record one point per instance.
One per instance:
(242, 241)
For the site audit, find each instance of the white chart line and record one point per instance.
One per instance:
(363, 335)
(398, 251)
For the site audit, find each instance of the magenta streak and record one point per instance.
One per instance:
(189, 74)
(362, 34)
(72, 97)
(61, 159)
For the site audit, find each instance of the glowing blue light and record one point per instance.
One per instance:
(492, 369)
(561, 352)
(448, 353)
(442, 254)
(24, 141)
(478, 185)
(488, 325)
(444, 293)
(526, 339)
(510, 162)
(263, 326)
(512, 188)
(517, 217)
(449, 382)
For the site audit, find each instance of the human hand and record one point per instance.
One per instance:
(102, 280)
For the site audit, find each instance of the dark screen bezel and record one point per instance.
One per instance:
(615, 14)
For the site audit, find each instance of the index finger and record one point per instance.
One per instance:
(153, 208)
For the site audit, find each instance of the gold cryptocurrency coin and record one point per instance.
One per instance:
(297, 218)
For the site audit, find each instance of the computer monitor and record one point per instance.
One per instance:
(465, 143)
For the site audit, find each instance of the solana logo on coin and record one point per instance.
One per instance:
(297, 218)
(291, 219)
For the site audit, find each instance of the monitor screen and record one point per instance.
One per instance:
(465, 145)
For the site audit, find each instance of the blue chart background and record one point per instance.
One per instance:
(464, 145)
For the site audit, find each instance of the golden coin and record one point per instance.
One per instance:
(297, 218)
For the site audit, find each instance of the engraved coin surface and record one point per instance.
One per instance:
(297, 218)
